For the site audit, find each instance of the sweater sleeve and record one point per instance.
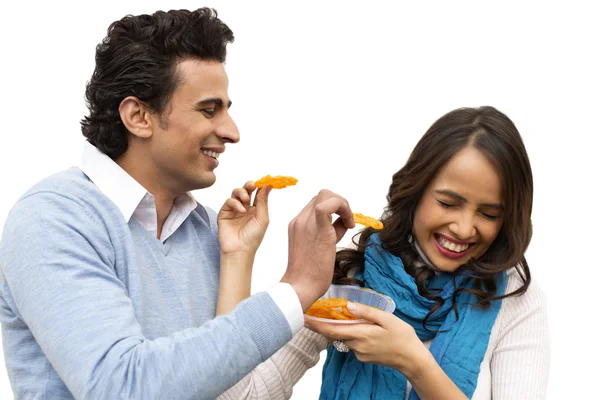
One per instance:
(520, 360)
(275, 378)
(57, 262)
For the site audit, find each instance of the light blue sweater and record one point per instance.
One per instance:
(93, 307)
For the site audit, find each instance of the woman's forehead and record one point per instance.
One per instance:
(470, 174)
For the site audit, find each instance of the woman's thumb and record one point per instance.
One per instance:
(262, 203)
(365, 312)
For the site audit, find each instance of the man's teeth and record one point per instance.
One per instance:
(210, 153)
(457, 248)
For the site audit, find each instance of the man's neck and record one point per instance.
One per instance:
(146, 176)
(163, 205)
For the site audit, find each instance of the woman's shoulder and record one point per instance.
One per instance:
(534, 292)
(518, 307)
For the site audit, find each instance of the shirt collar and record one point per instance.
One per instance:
(120, 187)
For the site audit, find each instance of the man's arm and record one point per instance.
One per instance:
(57, 259)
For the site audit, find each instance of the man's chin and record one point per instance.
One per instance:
(206, 181)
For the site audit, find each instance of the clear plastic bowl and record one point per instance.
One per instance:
(357, 295)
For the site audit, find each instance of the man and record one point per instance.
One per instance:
(110, 271)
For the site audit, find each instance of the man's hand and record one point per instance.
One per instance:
(242, 226)
(312, 240)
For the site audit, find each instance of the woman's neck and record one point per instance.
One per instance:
(424, 258)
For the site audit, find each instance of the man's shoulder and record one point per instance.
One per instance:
(68, 182)
(66, 190)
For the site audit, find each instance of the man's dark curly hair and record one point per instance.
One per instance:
(138, 57)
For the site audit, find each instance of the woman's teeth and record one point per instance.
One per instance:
(457, 248)
(210, 153)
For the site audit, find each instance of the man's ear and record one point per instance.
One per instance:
(136, 117)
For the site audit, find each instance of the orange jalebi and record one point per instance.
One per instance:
(332, 308)
(367, 221)
(278, 182)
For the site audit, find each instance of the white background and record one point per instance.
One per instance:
(337, 94)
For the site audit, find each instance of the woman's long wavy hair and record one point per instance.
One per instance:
(495, 135)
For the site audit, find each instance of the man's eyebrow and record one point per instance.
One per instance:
(461, 198)
(213, 100)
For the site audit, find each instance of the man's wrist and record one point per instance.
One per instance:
(304, 294)
(284, 295)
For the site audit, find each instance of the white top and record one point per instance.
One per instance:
(515, 366)
(134, 201)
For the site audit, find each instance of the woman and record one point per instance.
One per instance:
(469, 322)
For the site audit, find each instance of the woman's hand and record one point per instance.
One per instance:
(391, 342)
(242, 226)
(385, 340)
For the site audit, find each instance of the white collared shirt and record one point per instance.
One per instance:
(129, 196)
(134, 201)
(145, 214)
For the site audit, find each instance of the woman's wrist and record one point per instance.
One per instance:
(237, 260)
(235, 280)
(417, 364)
(429, 380)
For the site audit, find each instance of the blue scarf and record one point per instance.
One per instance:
(459, 349)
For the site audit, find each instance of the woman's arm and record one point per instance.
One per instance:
(242, 227)
(275, 378)
(234, 282)
(521, 357)
(430, 381)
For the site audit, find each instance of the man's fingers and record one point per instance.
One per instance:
(340, 228)
(334, 205)
(304, 214)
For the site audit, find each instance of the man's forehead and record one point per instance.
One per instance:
(196, 65)
(201, 80)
